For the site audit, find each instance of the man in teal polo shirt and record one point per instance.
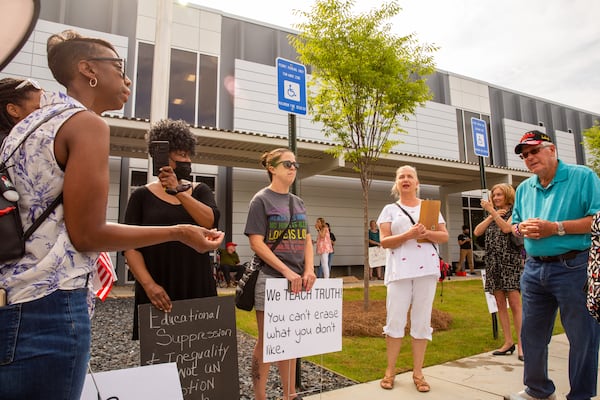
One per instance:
(553, 211)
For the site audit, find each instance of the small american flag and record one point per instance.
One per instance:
(104, 276)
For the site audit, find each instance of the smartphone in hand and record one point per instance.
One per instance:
(159, 150)
(485, 194)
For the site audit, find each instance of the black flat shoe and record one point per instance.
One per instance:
(521, 358)
(510, 350)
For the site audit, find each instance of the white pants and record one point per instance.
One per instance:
(325, 264)
(401, 294)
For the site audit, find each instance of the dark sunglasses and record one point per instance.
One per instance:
(121, 60)
(288, 164)
(28, 82)
(533, 152)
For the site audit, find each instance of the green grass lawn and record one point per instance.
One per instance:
(363, 358)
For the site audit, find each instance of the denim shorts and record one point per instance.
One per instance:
(45, 346)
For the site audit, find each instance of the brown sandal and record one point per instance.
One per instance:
(387, 382)
(421, 384)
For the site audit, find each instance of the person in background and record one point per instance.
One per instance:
(229, 262)
(333, 239)
(553, 211)
(18, 99)
(292, 259)
(374, 242)
(324, 246)
(503, 263)
(466, 250)
(48, 286)
(412, 274)
(171, 271)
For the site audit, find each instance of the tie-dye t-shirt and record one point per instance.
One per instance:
(269, 215)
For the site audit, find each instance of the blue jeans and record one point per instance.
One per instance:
(44, 347)
(547, 287)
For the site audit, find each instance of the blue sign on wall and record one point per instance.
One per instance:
(291, 86)
(480, 137)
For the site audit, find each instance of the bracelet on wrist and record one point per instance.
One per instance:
(517, 231)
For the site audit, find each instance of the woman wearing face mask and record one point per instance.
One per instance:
(171, 271)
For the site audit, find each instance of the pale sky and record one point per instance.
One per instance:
(544, 48)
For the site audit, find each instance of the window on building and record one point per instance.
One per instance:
(192, 86)
(473, 214)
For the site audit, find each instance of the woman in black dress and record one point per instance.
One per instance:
(503, 263)
(171, 271)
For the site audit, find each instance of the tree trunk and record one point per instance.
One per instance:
(367, 267)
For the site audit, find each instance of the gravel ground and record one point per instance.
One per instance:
(112, 348)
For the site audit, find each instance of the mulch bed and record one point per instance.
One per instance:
(358, 322)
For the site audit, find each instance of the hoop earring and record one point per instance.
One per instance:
(93, 82)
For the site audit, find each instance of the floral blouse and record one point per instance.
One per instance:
(50, 262)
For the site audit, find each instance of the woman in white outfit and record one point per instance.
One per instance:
(411, 274)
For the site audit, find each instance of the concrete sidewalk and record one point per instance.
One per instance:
(480, 377)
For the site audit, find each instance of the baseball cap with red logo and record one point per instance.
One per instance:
(532, 138)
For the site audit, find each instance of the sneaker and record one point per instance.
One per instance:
(523, 395)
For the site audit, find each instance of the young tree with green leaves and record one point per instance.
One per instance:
(591, 139)
(365, 80)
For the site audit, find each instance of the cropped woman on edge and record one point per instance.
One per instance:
(503, 263)
(292, 259)
(18, 99)
(411, 274)
(48, 286)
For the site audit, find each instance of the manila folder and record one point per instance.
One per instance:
(430, 213)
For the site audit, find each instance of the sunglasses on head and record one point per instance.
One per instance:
(120, 60)
(288, 164)
(532, 152)
(28, 82)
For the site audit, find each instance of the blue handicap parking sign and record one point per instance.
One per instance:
(291, 86)
(480, 137)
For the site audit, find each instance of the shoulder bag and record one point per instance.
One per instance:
(244, 293)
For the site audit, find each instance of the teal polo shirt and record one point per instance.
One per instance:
(573, 193)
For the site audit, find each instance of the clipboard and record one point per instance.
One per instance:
(429, 216)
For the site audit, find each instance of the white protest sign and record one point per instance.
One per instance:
(302, 324)
(491, 300)
(153, 382)
(377, 256)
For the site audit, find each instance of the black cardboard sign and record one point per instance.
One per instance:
(200, 336)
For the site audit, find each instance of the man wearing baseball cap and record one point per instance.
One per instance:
(553, 211)
(230, 262)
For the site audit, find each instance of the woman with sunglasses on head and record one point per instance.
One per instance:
(18, 99)
(45, 328)
(171, 271)
(268, 218)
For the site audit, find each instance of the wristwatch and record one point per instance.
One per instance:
(561, 229)
(178, 189)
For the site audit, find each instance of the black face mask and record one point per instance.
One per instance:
(183, 169)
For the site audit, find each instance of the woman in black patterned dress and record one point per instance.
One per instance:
(503, 263)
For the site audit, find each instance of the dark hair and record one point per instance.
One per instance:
(66, 49)
(176, 132)
(8, 94)
(270, 158)
(465, 227)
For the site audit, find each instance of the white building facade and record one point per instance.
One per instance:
(223, 83)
